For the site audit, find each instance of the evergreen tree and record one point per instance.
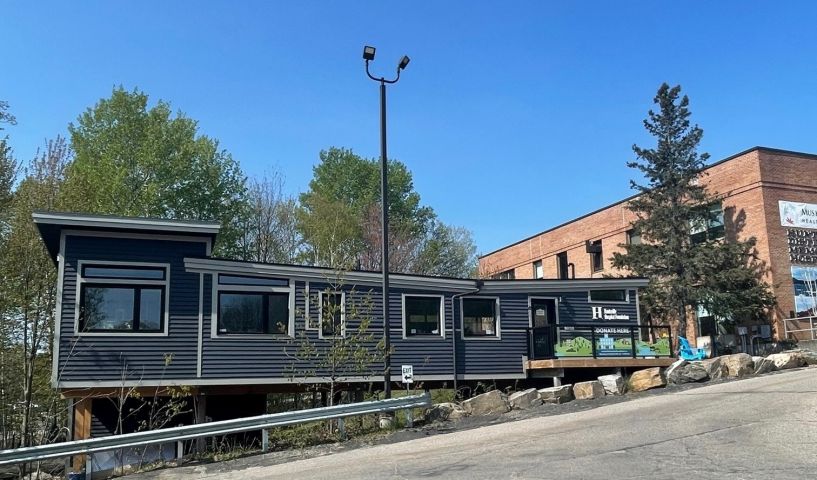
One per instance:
(721, 275)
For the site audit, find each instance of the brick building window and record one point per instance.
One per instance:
(633, 237)
(710, 226)
(596, 255)
(538, 271)
(562, 265)
(506, 275)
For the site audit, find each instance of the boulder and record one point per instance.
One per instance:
(687, 373)
(739, 364)
(613, 384)
(786, 360)
(524, 399)
(764, 365)
(444, 411)
(561, 394)
(491, 402)
(588, 390)
(646, 379)
(675, 365)
(809, 357)
(715, 368)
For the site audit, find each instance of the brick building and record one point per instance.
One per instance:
(757, 185)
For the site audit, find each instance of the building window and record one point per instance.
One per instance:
(506, 275)
(633, 237)
(114, 298)
(480, 318)
(538, 271)
(710, 226)
(422, 315)
(253, 313)
(607, 296)
(252, 281)
(562, 265)
(596, 255)
(332, 314)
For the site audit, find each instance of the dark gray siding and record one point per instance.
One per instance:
(109, 358)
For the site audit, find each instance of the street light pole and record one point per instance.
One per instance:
(368, 55)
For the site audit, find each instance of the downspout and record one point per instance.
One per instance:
(454, 328)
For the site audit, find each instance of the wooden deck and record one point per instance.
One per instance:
(599, 363)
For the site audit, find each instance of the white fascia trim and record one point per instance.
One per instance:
(442, 321)
(132, 223)
(207, 265)
(536, 286)
(165, 283)
(247, 381)
(55, 360)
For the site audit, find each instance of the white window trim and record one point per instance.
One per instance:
(250, 289)
(496, 337)
(342, 313)
(530, 308)
(442, 326)
(80, 281)
(617, 302)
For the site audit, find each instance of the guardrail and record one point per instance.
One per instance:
(810, 321)
(187, 432)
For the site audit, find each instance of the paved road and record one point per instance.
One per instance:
(759, 428)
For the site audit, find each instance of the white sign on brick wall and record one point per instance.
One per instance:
(798, 215)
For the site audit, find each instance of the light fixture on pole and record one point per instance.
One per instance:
(368, 55)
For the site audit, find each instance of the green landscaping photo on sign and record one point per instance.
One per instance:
(611, 344)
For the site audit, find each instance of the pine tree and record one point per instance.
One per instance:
(721, 275)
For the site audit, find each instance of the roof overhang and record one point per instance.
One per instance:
(51, 224)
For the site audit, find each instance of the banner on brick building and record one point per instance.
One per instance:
(798, 215)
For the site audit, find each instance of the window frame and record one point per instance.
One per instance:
(497, 336)
(342, 294)
(442, 322)
(562, 270)
(597, 255)
(541, 266)
(249, 289)
(618, 302)
(264, 313)
(82, 283)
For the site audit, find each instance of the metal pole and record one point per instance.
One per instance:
(384, 198)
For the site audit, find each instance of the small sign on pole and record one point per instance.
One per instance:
(408, 373)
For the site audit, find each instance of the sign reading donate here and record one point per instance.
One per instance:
(798, 215)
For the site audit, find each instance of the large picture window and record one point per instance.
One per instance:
(332, 314)
(253, 313)
(422, 315)
(122, 298)
(480, 318)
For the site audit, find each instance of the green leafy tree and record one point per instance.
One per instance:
(341, 225)
(722, 276)
(140, 161)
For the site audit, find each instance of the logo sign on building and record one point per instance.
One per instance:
(407, 373)
(798, 215)
(601, 313)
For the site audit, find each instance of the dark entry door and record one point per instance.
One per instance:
(543, 316)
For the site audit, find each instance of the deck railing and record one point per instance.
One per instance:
(800, 328)
(599, 340)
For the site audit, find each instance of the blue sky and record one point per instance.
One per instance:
(513, 117)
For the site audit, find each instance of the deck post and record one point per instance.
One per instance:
(81, 429)
(557, 381)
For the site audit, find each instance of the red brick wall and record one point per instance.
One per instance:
(751, 185)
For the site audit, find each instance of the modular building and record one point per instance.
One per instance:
(765, 193)
(143, 306)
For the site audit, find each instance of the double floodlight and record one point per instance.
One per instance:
(368, 55)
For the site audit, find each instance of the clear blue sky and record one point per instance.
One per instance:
(513, 117)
